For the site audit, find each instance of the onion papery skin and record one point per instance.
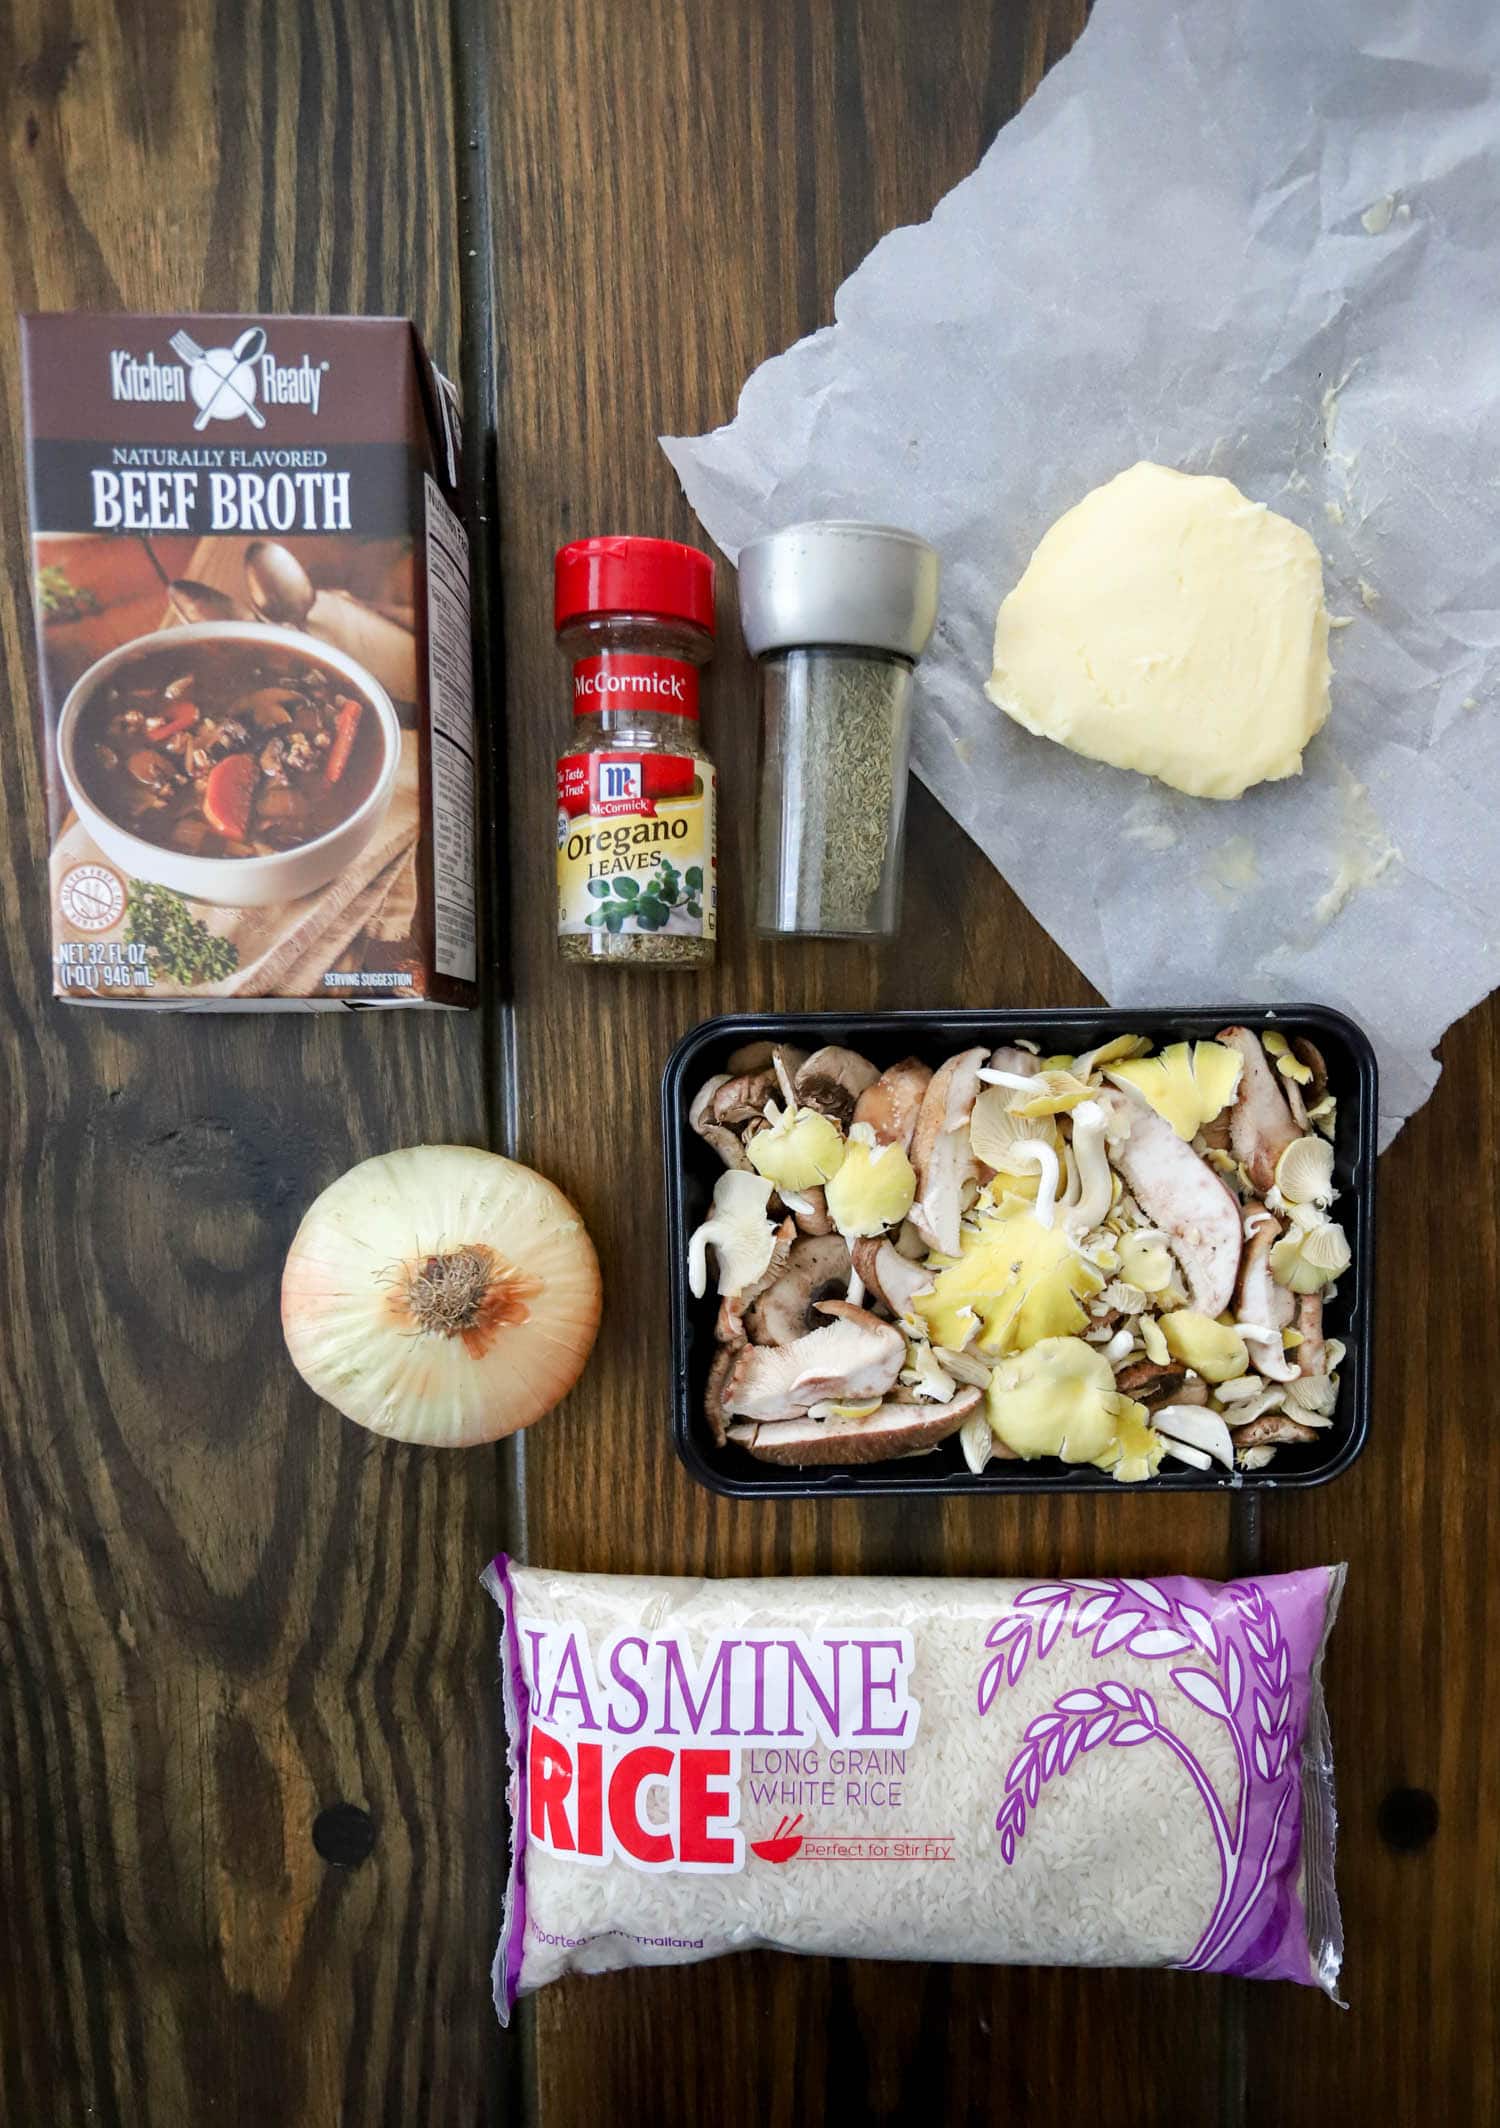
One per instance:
(347, 1295)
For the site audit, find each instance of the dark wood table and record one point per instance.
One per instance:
(250, 1769)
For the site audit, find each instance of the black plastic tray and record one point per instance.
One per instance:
(885, 1037)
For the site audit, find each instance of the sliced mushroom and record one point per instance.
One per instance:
(941, 1153)
(757, 1056)
(1261, 1123)
(816, 1268)
(810, 1210)
(1150, 1384)
(832, 1080)
(724, 1141)
(1312, 1354)
(854, 1355)
(713, 1394)
(742, 1101)
(891, 1106)
(1183, 1196)
(1270, 1429)
(893, 1278)
(1021, 1062)
(1259, 1299)
(896, 1429)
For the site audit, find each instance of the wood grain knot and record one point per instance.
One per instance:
(1407, 1819)
(344, 1835)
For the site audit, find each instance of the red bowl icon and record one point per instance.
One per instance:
(782, 1844)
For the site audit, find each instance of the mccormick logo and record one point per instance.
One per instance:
(222, 383)
(627, 679)
(619, 780)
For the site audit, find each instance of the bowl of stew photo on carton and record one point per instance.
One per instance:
(728, 1061)
(234, 762)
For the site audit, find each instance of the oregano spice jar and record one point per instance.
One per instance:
(636, 859)
(837, 615)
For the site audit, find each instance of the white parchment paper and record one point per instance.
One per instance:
(1251, 237)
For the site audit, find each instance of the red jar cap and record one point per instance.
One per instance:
(662, 577)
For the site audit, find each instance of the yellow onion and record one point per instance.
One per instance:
(441, 1295)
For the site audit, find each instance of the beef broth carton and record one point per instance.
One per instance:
(252, 593)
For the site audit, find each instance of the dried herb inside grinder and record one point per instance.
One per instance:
(838, 615)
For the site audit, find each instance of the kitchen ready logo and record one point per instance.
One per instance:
(221, 383)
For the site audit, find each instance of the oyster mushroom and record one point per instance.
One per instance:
(730, 1327)
(1259, 1299)
(1190, 1084)
(1180, 1194)
(1202, 1430)
(701, 1118)
(891, 1106)
(853, 1355)
(797, 1150)
(1215, 1350)
(1013, 1283)
(964, 1367)
(1310, 1256)
(1271, 1397)
(1304, 1173)
(816, 1268)
(941, 1153)
(743, 1237)
(924, 1379)
(1091, 1182)
(1261, 1123)
(873, 1187)
(832, 1080)
(893, 1278)
(1058, 1398)
(896, 1429)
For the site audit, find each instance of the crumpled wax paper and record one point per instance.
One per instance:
(1251, 237)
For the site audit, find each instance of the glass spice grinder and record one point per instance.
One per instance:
(837, 615)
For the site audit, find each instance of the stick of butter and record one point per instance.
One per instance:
(1168, 624)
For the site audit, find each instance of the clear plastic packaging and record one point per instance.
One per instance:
(1117, 1771)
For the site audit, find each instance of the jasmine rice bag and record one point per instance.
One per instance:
(1099, 1772)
